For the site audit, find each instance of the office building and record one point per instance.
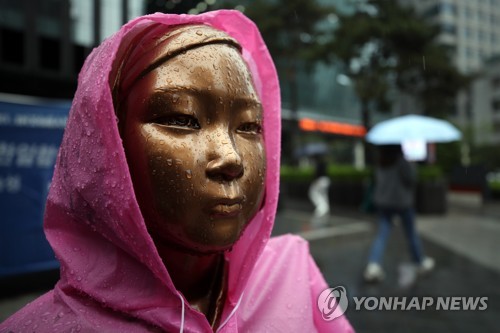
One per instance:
(471, 28)
(43, 43)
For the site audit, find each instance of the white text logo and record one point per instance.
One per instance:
(333, 303)
(421, 303)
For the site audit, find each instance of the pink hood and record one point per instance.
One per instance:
(110, 269)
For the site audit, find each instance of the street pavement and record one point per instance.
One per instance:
(465, 243)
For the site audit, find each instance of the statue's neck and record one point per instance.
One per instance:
(200, 278)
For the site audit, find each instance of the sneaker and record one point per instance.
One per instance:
(407, 275)
(426, 265)
(373, 273)
(320, 221)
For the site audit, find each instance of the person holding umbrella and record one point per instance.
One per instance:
(395, 180)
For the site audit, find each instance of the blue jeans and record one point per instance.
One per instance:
(384, 229)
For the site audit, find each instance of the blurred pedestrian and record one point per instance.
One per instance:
(395, 182)
(318, 192)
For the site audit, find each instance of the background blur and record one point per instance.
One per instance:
(344, 66)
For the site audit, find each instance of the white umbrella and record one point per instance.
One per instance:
(411, 128)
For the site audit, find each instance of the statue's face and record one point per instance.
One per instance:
(192, 135)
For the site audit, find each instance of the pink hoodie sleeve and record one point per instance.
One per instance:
(318, 284)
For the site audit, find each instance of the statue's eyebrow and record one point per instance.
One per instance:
(174, 89)
(251, 102)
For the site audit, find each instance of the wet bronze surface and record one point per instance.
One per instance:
(192, 134)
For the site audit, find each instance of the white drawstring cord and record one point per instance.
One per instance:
(231, 314)
(220, 326)
(182, 315)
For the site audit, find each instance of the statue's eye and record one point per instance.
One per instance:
(184, 121)
(250, 128)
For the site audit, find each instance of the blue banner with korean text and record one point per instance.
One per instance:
(31, 131)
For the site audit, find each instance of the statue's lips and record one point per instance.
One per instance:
(226, 208)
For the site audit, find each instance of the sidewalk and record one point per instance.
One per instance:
(473, 232)
(464, 243)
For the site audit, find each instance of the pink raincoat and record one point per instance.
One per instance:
(112, 278)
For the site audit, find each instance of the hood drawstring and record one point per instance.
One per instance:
(181, 330)
(231, 314)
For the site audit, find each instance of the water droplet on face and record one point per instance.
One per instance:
(169, 162)
(189, 175)
(199, 33)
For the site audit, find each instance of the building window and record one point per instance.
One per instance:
(471, 13)
(495, 105)
(482, 16)
(496, 127)
(495, 82)
(482, 35)
(448, 8)
(470, 53)
(50, 50)
(469, 33)
(49, 18)
(14, 53)
(431, 12)
(448, 28)
(440, 9)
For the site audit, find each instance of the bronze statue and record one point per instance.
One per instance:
(191, 124)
